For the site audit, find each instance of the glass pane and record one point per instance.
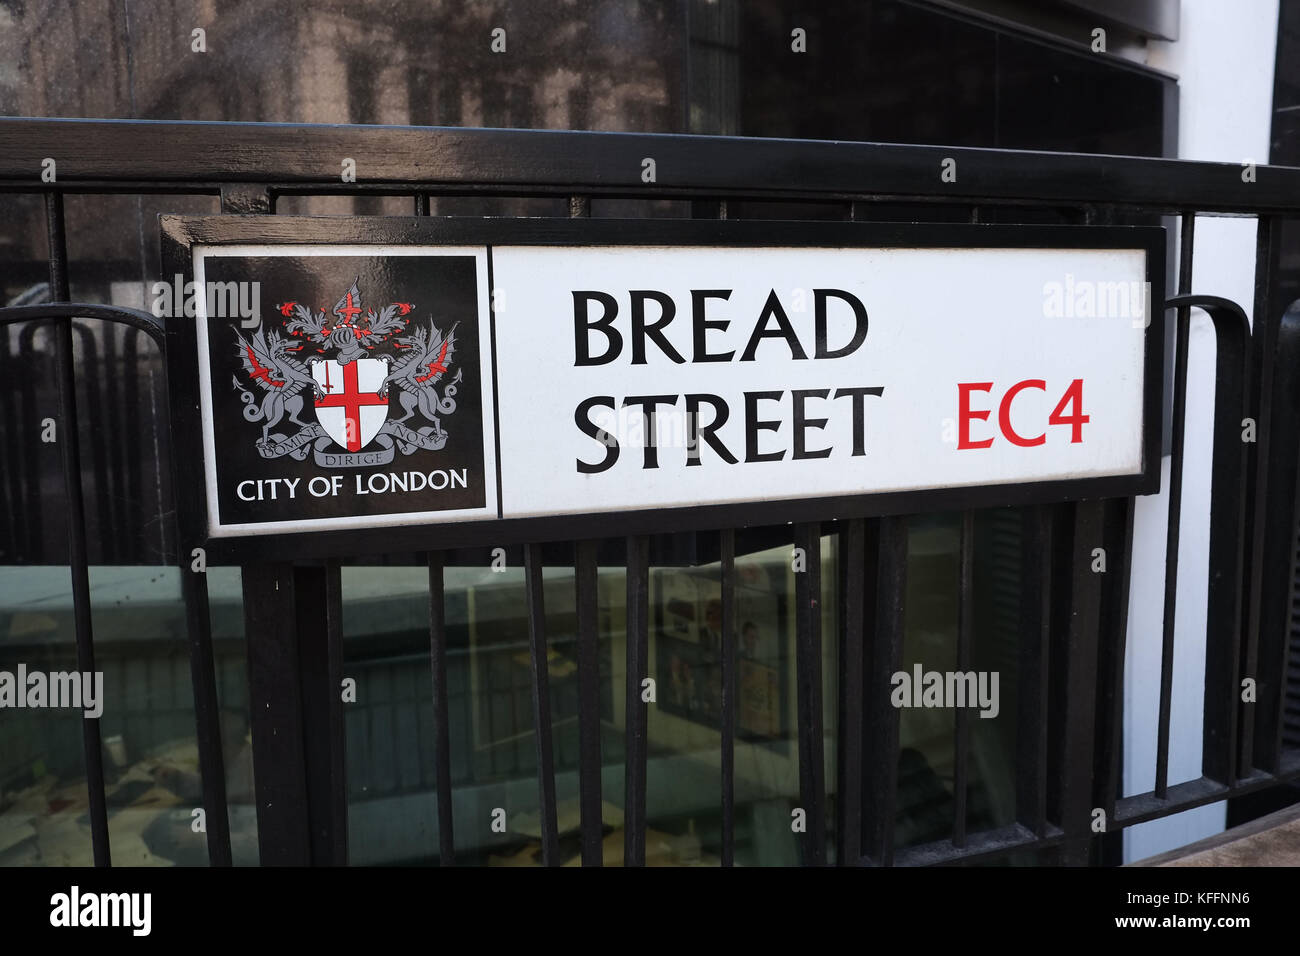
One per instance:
(390, 742)
(43, 792)
(927, 727)
(390, 747)
(143, 694)
(389, 738)
(998, 579)
(925, 759)
(684, 811)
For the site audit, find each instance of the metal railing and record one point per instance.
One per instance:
(1073, 622)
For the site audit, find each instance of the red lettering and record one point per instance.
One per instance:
(964, 414)
(1068, 411)
(1004, 413)
(1073, 396)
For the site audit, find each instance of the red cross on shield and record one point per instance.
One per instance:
(351, 410)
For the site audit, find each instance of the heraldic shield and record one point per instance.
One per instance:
(348, 404)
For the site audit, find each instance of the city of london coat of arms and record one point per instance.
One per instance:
(321, 383)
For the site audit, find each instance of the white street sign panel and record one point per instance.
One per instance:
(938, 368)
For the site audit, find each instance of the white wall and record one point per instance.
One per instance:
(1224, 60)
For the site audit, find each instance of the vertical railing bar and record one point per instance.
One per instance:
(441, 722)
(808, 686)
(160, 440)
(14, 511)
(34, 511)
(852, 638)
(133, 503)
(727, 568)
(546, 809)
(110, 530)
(1263, 361)
(78, 565)
(120, 405)
(635, 713)
(965, 637)
(1175, 505)
(1076, 653)
(207, 710)
(338, 767)
(588, 652)
(422, 204)
(317, 615)
(114, 422)
(13, 514)
(368, 731)
(1036, 628)
(1111, 779)
(272, 609)
(869, 687)
(886, 652)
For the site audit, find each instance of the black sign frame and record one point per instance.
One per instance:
(180, 233)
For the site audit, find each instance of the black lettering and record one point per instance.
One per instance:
(772, 309)
(582, 326)
(640, 331)
(702, 325)
(859, 319)
(648, 404)
(753, 426)
(582, 416)
(694, 431)
(859, 414)
(800, 395)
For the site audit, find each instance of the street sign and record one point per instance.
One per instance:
(398, 373)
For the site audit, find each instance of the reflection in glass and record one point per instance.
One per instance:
(150, 754)
(685, 781)
(391, 782)
(390, 742)
(925, 760)
(927, 755)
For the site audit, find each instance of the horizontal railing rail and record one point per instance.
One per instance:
(168, 157)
